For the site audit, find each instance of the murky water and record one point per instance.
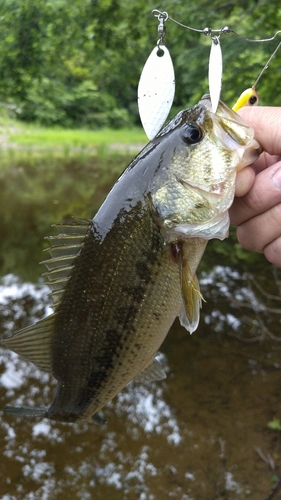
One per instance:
(201, 434)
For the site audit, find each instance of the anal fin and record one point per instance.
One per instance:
(98, 419)
(154, 371)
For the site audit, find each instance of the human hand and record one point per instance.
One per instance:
(256, 209)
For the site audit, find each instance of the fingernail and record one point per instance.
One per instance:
(276, 178)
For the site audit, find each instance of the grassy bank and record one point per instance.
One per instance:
(23, 137)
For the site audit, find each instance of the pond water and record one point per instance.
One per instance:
(201, 434)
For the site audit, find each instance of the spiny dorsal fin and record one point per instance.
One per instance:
(64, 248)
(154, 371)
(34, 343)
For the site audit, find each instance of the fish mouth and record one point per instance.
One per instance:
(233, 133)
(217, 189)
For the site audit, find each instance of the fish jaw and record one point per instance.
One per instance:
(217, 228)
(233, 133)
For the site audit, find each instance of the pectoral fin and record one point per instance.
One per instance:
(192, 297)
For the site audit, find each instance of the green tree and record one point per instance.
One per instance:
(78, 63)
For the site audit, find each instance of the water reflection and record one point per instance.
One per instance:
(247, 306)
(21, 303)
(189, 437)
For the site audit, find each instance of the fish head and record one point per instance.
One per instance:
(195, 188)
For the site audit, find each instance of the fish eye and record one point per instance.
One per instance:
(253, 99)
(192, 133)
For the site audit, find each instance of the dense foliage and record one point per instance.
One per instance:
(78, 62)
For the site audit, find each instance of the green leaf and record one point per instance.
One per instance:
(275, 424)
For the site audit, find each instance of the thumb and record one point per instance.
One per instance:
(266, 122)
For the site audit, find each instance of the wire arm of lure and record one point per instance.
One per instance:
(157, 13)
(257, 40)
(210, 32)
(267, 64)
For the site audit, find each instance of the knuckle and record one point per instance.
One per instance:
(246, 236)
(272, 252)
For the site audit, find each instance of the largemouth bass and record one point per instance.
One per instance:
(119, 280)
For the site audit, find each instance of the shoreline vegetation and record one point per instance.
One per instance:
(31, 138)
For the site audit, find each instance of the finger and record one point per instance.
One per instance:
(265, 194)
(265, 160)
(244, 181)
(266, 122)
(272, 252)
(260, 231)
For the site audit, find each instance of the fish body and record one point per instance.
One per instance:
(121, 279)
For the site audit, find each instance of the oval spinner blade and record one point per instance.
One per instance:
(156, 90)
(215, 73)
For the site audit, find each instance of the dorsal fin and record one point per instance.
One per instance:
(34, 343)
(64, 248)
